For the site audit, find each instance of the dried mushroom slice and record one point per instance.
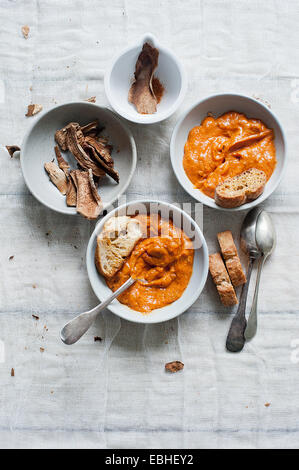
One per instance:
(87, 204)
(102, 149)
(79, 153)
(94, 190)
(141, 93)
(63, 165)
(80, 137)
(91, 128)
(60, 135)
(71, 193)
(57, 176)
(104, 141)
(74, 178)
(107, 168)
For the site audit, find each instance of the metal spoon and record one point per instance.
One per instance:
(235, 338)
(265, 239)
(76, 328)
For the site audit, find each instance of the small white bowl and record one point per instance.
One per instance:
(119, 78)
(218, 105)
(38, 148)
(197, 280)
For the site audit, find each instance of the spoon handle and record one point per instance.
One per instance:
(252, 319)
(76, 328)
(235, 338)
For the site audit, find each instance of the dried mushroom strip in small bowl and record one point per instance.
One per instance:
(78, 158)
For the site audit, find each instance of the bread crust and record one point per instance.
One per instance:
(231, 258)
(222, 281)
(252, 184)
(97, 260)
(227, 201)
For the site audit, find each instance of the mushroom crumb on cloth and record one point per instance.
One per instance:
(93, 154)
(174, 366)
(25, 31)
(12, 149)
(33, 109)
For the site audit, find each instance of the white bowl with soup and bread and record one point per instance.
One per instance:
(156, 243)
(228, 151)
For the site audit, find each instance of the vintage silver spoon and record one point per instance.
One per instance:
(235, 338)
(265, 239)
(76, 328)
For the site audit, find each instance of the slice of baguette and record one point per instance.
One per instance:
(231, 258)
(115, 243)
(238, 190)
(222, 281)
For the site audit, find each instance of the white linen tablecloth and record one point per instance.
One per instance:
(115, 393)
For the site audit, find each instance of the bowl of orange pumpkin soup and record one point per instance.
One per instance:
(222, 136)
(172, 257)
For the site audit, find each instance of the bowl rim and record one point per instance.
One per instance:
(87, 104)
(208, 201)
(146, 319)
(150, 118)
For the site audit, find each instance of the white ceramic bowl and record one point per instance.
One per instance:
(38, 148)
(196, 283)
(218, 105)
(120, 75)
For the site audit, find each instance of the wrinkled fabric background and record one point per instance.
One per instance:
(115, 393)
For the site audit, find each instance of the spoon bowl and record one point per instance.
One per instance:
(248, 232)
(265, 236)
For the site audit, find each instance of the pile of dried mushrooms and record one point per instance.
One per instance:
(93, 154)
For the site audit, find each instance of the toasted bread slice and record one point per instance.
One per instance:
(231, 258)
(222, 281)
(238, 190)
(115, 243)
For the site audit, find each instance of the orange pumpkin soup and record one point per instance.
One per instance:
(225, 147)
(164, 259)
